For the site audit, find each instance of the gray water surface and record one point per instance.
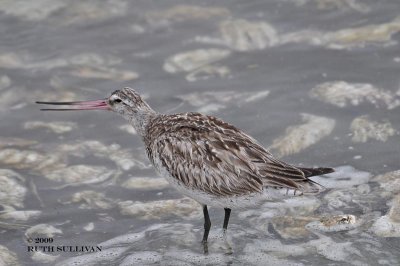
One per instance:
(316, 81)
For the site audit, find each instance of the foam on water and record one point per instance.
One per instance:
(342, 94)
(243, 35)
(210, 101)
(192, 60)
(389, 224)
(106, 256)
(8, 257)
(145, 183)
(89, 199)
(343, 177)
(181, 13)
(390, 181)
(346, 5)
(184, 207)
(30, 160)
(12, 188)
(20, 216)
(124, 158)
(39, 10)
(42, 230)
(142, 258)
(58, 127)
(300, 137)
(5, 82)
(363, 129)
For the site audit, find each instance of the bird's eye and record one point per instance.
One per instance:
(117, 100)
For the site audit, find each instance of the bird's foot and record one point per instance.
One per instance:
(205, 246)
(229, 250)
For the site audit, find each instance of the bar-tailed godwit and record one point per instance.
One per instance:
(205, 158)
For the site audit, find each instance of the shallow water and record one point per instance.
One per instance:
(317, 81)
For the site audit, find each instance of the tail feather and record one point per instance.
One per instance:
(308, 172)
(312, 187)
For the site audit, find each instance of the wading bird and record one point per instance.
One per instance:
(205, 158)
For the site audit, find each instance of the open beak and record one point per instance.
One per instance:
(81, 105)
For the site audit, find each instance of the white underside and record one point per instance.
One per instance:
(232, 202)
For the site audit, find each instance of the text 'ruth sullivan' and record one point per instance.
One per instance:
(51, 249)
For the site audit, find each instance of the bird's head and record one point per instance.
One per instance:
(126, 102)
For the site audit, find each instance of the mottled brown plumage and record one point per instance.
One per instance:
(206, 158)
(204, 153)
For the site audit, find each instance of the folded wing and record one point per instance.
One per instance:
(222, 160)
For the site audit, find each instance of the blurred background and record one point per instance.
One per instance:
(316, 81)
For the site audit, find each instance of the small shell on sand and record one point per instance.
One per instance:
(300, 137)
(335, 223)
(341, 94)
(363, 129)
(184, 207)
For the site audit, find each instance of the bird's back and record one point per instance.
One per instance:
(206, 154)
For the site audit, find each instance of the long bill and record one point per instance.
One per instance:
(75, 106)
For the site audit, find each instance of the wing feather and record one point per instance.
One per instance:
(207, 154)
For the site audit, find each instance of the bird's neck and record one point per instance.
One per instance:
(141, 119)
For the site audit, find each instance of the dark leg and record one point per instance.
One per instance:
(225, 227)
(207, 226)
(226, 218)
